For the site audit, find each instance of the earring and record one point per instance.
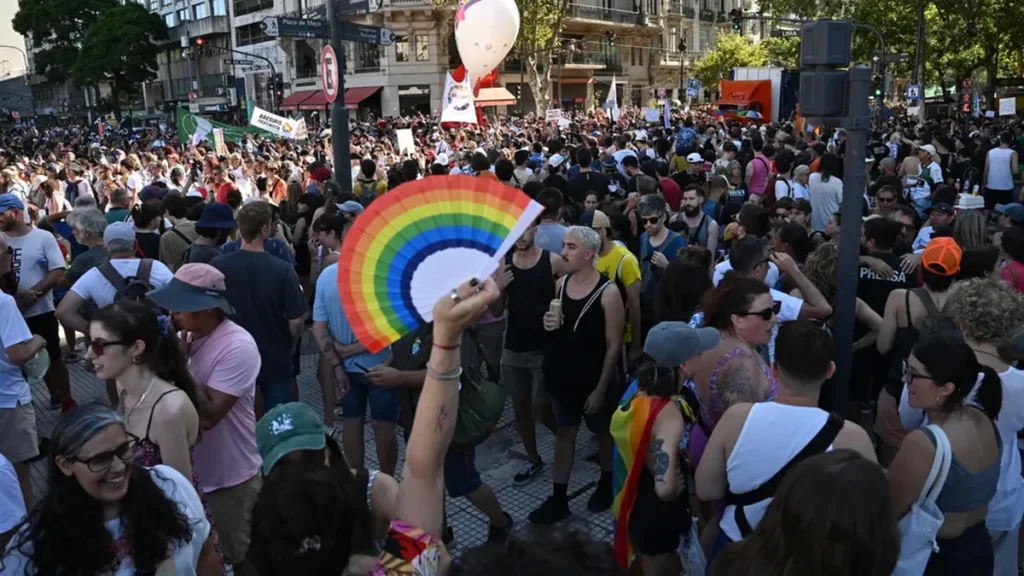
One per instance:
(135, 360)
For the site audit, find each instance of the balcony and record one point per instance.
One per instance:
(684, 9)
(595, 60)
(210, 86)
(407, 4)
(195, 28)
(601, 14)
(707, 15)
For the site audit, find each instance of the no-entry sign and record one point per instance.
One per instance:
(329, 73)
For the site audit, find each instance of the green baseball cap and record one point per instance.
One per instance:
(287, 428)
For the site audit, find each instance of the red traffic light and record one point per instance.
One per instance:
(200, 41)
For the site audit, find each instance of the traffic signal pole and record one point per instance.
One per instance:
(339, 114)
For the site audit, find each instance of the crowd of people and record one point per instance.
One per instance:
(677, 295)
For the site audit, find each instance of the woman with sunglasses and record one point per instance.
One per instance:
(102, 514)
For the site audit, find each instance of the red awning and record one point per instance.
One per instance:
(353, 96)
(292, 101)
(318, 101)
(497, 96)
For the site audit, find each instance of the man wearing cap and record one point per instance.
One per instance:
(774, 432)
(619, 265)
(694, 173)
(1010, 215)
(940, 214)
(930, 168)
(224, 361)
(1001, 167)
(38, 266)
(213, 229)
(658, 405)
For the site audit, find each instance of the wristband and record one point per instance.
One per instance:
(444, 376)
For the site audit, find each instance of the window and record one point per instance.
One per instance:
(250, 34)
(640, 56)
(632, 56)
(243, 7)
(367, 56)
(153, 4)
(183, 15)
(703, 41)
(200, 11)
(219, 8)
(673, 38)
(401, 49)
(165, 2)
(169, 19)
(422, 42)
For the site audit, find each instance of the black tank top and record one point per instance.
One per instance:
(529, 297)
(573, 360)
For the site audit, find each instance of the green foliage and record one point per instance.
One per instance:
(733, 50)
(119, 50)
(783, 52)
(59, 26)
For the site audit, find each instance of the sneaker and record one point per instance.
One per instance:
(500, 535)
(527, 472)
(553, 510)
(601, 499)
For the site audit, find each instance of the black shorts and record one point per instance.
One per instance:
(656, 525)
(569, 412)
(46, 325)
(993, 197)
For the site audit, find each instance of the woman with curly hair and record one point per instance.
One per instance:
(102, 514)
(988, 312)
(822, 269)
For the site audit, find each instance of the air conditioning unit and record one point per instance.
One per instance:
(220, 91)
(225, 80)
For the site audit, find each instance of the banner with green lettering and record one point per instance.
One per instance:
(195, 128)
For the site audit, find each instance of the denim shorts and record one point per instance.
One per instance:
(275, 393)
(384, 402)
(460, 474)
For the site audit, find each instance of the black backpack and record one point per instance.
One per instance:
(134, 288)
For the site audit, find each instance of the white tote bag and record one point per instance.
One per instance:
(919, 527)
(690, 552)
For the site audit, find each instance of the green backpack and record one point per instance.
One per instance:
(937, 321)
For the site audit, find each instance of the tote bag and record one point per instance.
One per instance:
(919, 527)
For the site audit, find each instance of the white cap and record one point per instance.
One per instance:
(442, 159)
(556, 160)
(694, 157)
(929, 149)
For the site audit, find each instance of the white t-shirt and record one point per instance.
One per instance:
(13, 331)
(799, 190)
(94, 286)
(184, 555)
(35, 255)
(825, 198)
(789, 312)
(784, 189)
(771, 279)
(12, 503)
(136, 181)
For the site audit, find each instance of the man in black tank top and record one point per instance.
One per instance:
(527, 282)
(582, 348)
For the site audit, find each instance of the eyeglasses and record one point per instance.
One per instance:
(101, 462)
(909, 375)
(99, 347)
(765, 314)
(652, 219)
(883, 200)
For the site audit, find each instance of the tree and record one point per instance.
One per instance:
(783, 52)
(58, 27)
(119, 50)
(540, 25)
(732, 50)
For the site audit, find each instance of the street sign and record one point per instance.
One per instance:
(193, 108)
(693, 84)
(295, 27)
(661, 93)
(785, 33)
(367, 34)
(913, 91)
(349, 8)
(193, 96)
(235, 62)
(329, 73)
(901, 57)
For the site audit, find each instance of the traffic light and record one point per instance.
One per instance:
(737, 19)
(611, 36)
(279, 88)
(682, 44)
(876, 86)
(200, 47)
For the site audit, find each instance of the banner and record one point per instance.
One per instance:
(1007, 106)
(668, 113)
(188, 125)
(553, 115)
(218, 142)
(406, 144)
(279, 125)
(611, 103)
(457, 101)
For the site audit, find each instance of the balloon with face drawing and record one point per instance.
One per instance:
(485, 31)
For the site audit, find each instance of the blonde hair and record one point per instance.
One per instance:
(986, 309)
(822, 268)
(970, 229)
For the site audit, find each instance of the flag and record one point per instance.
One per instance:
(611, 103)
(99, 126)
(457, 101)
(668, 113)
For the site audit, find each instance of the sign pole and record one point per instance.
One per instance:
(339, 114)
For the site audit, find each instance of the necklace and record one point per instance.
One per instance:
(986, 352)
(142, 398)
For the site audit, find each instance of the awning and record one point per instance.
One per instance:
(578, 80)
(353, 96)
(318, 101)
(292, 101)
(497, 96)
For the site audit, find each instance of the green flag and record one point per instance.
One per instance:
(189, 124)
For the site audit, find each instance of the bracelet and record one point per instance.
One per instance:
(443, 347)
(444, 376)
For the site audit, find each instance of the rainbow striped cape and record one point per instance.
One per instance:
(631, 430)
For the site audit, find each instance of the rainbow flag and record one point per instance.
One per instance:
(631, 430)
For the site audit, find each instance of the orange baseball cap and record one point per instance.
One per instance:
(942, 256)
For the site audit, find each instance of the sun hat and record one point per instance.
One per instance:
(287, 428)
(193, 288)
(217, 215)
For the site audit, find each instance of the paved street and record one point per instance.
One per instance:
(495, 459)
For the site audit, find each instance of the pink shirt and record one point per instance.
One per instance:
(1013, 273)
(227, 360)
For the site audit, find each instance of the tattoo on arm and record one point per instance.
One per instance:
(741, 381)
(660, 459)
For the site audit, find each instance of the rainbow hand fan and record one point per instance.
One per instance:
(416, 243)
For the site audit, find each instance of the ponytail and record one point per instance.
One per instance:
(989, 392)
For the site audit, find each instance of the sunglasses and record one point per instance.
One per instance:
(882, 200)
(101, 462)
(99, 347)
(765, 314)
(652, 219)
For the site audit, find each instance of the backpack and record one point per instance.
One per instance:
(769, 198)
(937, 321)
(366, 188)
(134, 288)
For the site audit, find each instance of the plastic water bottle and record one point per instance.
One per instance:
(37, 367)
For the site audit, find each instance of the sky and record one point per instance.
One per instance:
(15, 62)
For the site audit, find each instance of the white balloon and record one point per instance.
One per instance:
(485, 31)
